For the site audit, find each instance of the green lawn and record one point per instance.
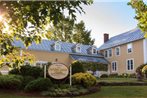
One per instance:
(120, 92)
(118, 80)
(106, 92)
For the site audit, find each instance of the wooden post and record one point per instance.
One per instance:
(44, 70)
(70, 70)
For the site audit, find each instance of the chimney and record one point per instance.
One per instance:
(106, 37)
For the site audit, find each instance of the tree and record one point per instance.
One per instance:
(141, 14)
(63, 31)
(81, 35)
(27, 20)
(69, 31)
(15, 59)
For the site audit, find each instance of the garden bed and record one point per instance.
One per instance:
(120, 82)
(68, 92)
(71, 92)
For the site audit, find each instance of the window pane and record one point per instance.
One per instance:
(117, 51)
(110, 52)
(129, 47)
(129, 50)
(106, 54)
(114, 66)
(131, 64)
(94, 50)
(128, 64)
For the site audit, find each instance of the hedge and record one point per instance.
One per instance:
(122, 83)
(10, 82)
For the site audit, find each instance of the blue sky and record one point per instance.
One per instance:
(108, 16)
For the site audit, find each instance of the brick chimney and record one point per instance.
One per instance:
(106, 37)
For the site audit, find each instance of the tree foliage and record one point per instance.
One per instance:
(81, 35)
(141, 14)
(63, 31)
(69, 31)
(27, 20)
(15, 60)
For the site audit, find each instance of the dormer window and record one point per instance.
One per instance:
(94, 51)
(78, 48)
(57, 46)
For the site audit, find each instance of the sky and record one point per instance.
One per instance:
(108, 16)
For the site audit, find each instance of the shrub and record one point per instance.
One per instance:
(104, 76)
(124, 75)
(114, 75)
(144, 70)
(77, 67)
(27, 70)
(84, 79)
(39, 84)
(132, 75)
(95, 66)
(10, 82)
(139, 72)
(26, 80)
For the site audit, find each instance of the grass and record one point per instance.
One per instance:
(120, 92)
(4, 94)
(109, 80)
(106, 92)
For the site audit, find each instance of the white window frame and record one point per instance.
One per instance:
(59, 46)
(129, 65)
(128, 47)
(111, 53)
(115, 65)
(116, 51)
(94, 48)
(41, 63)
(78, 50)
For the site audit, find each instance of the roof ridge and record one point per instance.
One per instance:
(129, 31)
(129, 36)
(67, 42)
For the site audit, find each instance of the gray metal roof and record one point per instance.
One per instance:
(89, 59)
(126, 37)
(46, 45)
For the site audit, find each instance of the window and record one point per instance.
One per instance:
(57, 46)
(110, 52)
(114, 66)
(130, 64)
(94, 51)
(129, 48)
(117, 51)
(40, 63)
(78, 48)
(106, 53)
